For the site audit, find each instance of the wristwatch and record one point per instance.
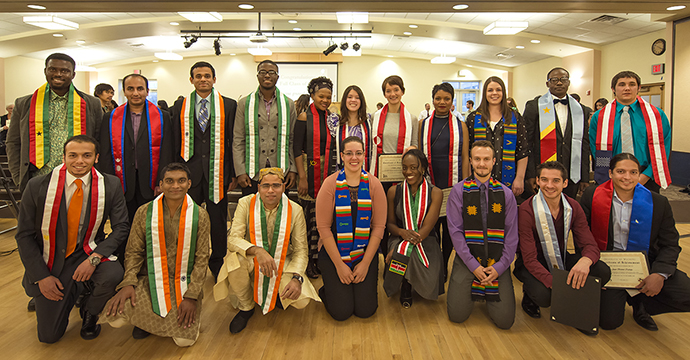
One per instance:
(94, 260)
(298, 277)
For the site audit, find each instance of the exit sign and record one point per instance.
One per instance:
(658, 69)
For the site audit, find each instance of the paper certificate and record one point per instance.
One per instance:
(390, 168)
(446, 192)
(627, 268)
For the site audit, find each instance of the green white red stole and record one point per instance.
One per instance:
(509, 144)
(547, 133)
(404, 134)
(51, 211)
(547, 229)
(157, 256)
(216, 121)
(455, 146)
(415, 210)
(251, 131)
(39, 122)
(352, 250)
(266, 289)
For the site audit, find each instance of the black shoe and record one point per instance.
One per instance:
(530, 307)
(89, 327)
(139, 333)
(643, 318)
(240, 321)
(81, 299)
(31, 306)
(312, 270)
(406, 294)
(593, 332)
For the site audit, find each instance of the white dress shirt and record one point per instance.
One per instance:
(562, 112)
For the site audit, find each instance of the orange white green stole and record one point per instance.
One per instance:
(157, 256)
(266, 289)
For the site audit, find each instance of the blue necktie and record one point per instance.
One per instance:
(203, 115)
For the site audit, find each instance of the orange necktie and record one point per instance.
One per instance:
(73, 215)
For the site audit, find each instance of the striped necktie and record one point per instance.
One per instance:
(203, 115)
(626, 132)
(73, 216)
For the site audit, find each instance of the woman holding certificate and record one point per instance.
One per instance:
(354, 121)
(351, 217)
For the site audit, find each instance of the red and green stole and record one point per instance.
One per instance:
(509, 143)
(157, 256)
(547, 133)
(352, 250)
(315, 174)
(154, 126)
(266, 290)
(404, 133)
(486, 245)
(415, 210)
(343, 132)
(39, 122)
(51, 211)
(251, 132)
(216, 121)
(455, 146)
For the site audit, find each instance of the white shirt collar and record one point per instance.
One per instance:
(86, 179)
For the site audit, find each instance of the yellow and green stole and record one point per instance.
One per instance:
(252, 134)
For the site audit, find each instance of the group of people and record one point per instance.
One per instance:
(163, 178)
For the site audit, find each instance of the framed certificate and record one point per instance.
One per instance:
(390, 168)
(446, 192)
(628, 268)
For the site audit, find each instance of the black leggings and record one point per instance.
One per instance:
(343, 301)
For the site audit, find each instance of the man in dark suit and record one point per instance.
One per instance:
(52, 100)
(203, 124)
(557, 129)
(626, 216)
(61, 240)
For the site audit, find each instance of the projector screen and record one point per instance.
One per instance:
(294, 78)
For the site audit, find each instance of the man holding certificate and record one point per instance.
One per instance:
(625, 216)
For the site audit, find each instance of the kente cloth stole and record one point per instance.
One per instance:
(547, 133)
(252, 134)
(157, 256)
(352, 249)
(404, 133)
(154, 127)
(216, 168)
(415, 210)
(266, 290)
(485, 245)
(546, 229)
(39, 122)
(655, 142)
(640, 217)
(343, 133)
(509, 143)
(455, 146)
(315, 174)
(51, 211)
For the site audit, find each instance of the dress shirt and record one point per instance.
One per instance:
(562, 112)
(423, 114)
(136, 124)
(71, 187)
(57, 123)
(621, 222)
(391, 130)
(458, 115)
(197, 106)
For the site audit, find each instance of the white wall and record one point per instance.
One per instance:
(530, 80)
(24, 75)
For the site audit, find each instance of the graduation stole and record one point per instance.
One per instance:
(509, 142)
(157, 256)
(251, 132)
(415, 210)
(216, 120)
(343, 132)
(266, 289)
(485, 245)
(404, 133)
(51, 211)
(351, 250)
(655, 141)
(39, 122)
(154, 126)
(546, 229)
(316, 175)
(640, 218)
(547, 133)
(455, 146)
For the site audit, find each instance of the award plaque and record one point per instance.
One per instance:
(446, 192)
(628, 268)
(390, 168)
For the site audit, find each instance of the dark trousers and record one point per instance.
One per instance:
(343, 301)
(652, 186)
(386, 235)
(251, 189)
(571, 189)
(445, 242)
(540, 294)
(673, 297)
(53, 316)
(218, 215)
(132, 207)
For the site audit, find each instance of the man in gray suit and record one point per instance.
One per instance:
(61, 240)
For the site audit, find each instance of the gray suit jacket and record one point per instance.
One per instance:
(30, 240)
(18, 135)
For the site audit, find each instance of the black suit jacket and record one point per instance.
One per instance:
(30, 240)
(199, 163)
(564, 139)
(663, 243)
(106, 162)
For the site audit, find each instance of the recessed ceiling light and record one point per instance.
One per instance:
(245, 6)
(233, 54)
(519, 47)
(155, 60)
(676, 7)
(81, 42)
(202, 16)
(535, 41)
(505, 27)
(174, 23)
(413, 26)
(407, 33)
(168, 56)
(352, 17)
(36, 7)
(58, 35)
(50, 22)
(292, 21)
(390, 56)
(297, 29)
(469, 66)
(460, 7)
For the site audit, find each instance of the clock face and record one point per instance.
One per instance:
(659, 47)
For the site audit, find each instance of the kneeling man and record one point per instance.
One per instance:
(267, 253)
(165, 264)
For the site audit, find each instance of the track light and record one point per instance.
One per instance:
(189, 42)
(356, 46)
(344, 46)
(216, 46)
(330, 49)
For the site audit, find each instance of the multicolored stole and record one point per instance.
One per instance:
(216, 168)
(509, 143)
(547, 230)
(655, 142)
(640, 218)
(39, 122)
(415, 210)
(455, 146)
(485, 245)
(547, 133)
(266, 289)
(343, 132)
(157, 256)
(154, 126)
(352, 250)
(251, 131)
(404, 133)
(316, 175)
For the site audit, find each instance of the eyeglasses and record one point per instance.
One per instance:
(351, 154)
(564, 80)
(269, 72)
(274, 186)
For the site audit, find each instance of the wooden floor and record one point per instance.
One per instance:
(422, 332)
